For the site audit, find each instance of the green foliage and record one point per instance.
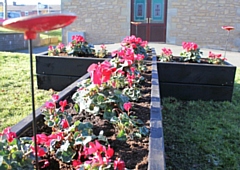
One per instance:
(192, 56)
(127, 125)
(202, 134)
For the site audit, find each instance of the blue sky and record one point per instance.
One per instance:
(33, 2)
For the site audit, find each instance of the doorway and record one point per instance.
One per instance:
(148, 19)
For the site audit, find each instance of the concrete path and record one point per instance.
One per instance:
(232, 57)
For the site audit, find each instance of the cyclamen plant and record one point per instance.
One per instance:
(166, 55)
(191, 52)
(77, 47)
(216, 58)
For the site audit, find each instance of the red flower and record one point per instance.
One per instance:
(109, 152)
(65, 123)
(76, 163)
(119, 164)
(127, 106)
(10, 135)
(100, 73)
(63, 104)
(41, 138)
(228, 28)
(40, 151)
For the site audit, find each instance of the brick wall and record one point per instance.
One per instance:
(200, 21)
(103, 21)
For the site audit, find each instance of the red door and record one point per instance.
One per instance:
(148, 19)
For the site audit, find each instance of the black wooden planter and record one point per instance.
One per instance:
(190, 81)
(57, 72)
(156, 159)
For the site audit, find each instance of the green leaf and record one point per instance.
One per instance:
(144, 131)
(76, 107)
(108, 115)
(122, 135)
(50, 123)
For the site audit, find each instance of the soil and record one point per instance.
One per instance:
(133, 152)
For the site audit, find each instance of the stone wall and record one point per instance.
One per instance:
(10, 41)
(102, 21)
(200, 21)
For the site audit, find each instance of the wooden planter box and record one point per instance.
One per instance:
(156, 159)
(57, 72)
(192, 81)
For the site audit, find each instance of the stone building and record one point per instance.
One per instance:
(169, 21)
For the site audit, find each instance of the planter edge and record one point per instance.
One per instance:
(156, 158)
(25, 123)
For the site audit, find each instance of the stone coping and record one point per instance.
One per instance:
(156, 158)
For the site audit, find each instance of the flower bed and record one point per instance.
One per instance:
(126, 126)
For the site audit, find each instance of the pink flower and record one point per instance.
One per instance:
(119, 164)
(103, 47)
(228, 28)
(60, 46)
(139, 57)
(63, 104)
(100, 73)
(65, 123)
(10, 135)
(50, 48)
(166, 51)
(189, 46)
(55, 97)
(49, 105)
(78, 38)
(127, 106)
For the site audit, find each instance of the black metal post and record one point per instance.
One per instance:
(34, 124)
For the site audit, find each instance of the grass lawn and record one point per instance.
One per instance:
(202, 135)
(15, 89)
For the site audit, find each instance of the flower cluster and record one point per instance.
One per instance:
(215, 58)
(102, 52)
(135, 43)
(191, 52)
(166, 55)
(77, 47)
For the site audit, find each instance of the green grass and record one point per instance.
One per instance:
(53, 33)
(15, 89)
(202, 135)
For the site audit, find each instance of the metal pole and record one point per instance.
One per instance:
(5, 16)
(33, 104)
